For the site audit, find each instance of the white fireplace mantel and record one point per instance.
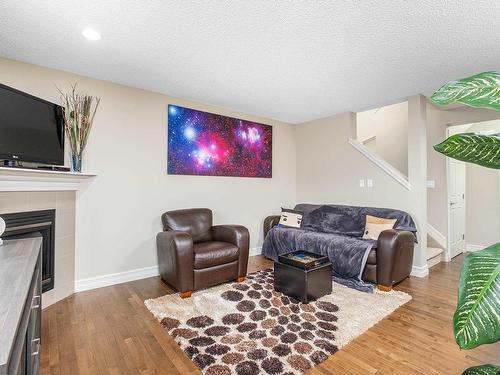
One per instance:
(17, 179)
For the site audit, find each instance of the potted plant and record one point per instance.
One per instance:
(477, 318)
(79, 113)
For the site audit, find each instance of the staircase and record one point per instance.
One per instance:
(434, 252)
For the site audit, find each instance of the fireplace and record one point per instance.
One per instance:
(23, 224)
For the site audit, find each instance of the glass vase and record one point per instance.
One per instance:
(76, 163)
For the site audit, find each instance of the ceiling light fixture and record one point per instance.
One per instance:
(91, 34)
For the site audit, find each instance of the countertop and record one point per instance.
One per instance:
(17, 262)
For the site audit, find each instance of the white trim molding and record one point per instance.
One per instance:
(115, 278)
(471, 248)
(382, 164)
(419, 271)
(17, 179)
(123, 277)
(367, 140)
(436, 235)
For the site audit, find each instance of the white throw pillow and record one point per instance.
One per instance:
(290, 218)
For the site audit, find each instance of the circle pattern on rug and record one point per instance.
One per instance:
(267, 332)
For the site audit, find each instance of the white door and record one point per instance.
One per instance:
(456, 204)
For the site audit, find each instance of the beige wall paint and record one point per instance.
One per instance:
(389, 126)
(482, 205)
(437, 121)
(118, 212)
(329, 170)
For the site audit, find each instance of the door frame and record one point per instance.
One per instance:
(447, 253)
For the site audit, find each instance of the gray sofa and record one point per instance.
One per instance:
(336, 231)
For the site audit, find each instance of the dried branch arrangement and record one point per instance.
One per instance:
(80, 110)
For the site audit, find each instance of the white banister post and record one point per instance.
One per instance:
(417, 175)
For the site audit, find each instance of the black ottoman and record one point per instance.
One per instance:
(303, 284)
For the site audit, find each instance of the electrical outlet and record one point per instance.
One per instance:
(362, 183)
(369, 183)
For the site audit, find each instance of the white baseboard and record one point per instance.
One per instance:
(419, 271)
(115, 278)
(437, 236)
(123, 277)
(255, 251)
(470, 248)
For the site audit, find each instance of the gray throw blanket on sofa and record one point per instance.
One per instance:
(334, 231)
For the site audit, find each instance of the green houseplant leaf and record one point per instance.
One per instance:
(482, 370)
(477, 320)
(481, 91)
(474, 148)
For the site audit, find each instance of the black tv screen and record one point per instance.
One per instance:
(31, 129)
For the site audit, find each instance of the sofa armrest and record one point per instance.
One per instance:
(394, 257)
(176, 259)
(239, 236)
(269, 222)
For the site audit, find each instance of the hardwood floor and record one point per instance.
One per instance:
(110, 331)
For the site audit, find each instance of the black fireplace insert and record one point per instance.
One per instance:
(23, 224)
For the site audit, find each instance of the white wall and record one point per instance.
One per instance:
(118, 212)
(329, 170)
(437, 121)
(482, 204)
(389, 126)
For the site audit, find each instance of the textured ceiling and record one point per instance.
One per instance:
(289, 60)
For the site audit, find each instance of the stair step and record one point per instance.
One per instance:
(433, 256)
(431, 242)
(433, 252)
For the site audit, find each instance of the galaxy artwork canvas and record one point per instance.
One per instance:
(202, 143)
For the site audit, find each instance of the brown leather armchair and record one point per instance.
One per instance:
(386, 265)
(194, 254)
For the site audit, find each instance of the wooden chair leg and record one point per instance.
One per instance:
(186, 294)
(384, 288)
(240, 279)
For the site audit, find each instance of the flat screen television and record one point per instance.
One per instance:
(31, 129)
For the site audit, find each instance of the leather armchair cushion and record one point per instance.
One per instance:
(213, 253)
(195, 221)
(208, 277)
(372, 257)
(370, 273)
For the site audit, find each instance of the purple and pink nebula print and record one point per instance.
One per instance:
(201, 143)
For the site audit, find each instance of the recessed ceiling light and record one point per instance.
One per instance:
(91, 34)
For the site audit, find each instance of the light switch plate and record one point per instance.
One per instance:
(361, 183)
(369, 182)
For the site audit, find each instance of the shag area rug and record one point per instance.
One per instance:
(248, 328)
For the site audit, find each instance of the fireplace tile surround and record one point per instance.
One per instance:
(64, 204)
